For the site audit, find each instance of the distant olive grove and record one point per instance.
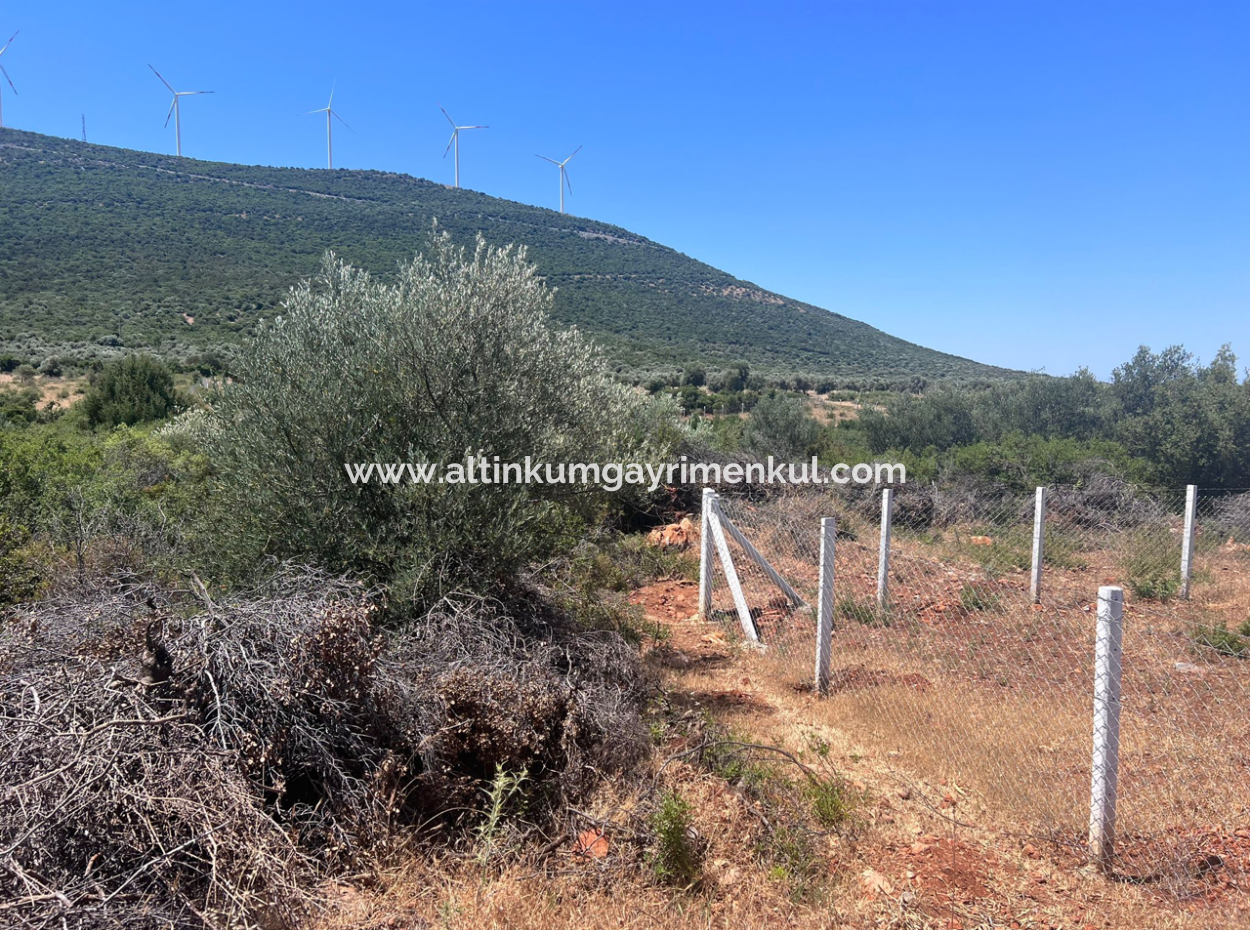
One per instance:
(1186, 422)
(1163, 418)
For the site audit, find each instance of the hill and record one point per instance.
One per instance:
(103, 247)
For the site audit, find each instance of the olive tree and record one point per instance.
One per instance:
(455, 356)
(781, 426)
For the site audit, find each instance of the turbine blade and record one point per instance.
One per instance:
(570, 158)
(473, 127)
(7, 78)
(449, 142)
(564, 171)
(448, 115)
(339, 118)
(163, 81)
(192, 93)
(545, 158)
(331, 103)
(322, 110)
(171, 111)
(10, 42)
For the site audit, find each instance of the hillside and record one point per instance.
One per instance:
(103, 246)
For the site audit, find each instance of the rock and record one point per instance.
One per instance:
(674, 536)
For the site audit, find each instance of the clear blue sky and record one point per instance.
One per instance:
(1033, 184)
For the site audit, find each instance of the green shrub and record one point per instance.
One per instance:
(457, 356)
(794, 860)
(1223, 641)
(1151, 562)
(676, 855)
(781, 426)
(18, 406)
(978, 597)
(132, 390)
(831, 800)
(24, 564)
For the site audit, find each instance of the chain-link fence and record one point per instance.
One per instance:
(966, 668)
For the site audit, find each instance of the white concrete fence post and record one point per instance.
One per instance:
(705, 555)
(1187, 543)
(883, 556)
(1104, 773)
(731, 574)
(824, 602)
(1039, 535)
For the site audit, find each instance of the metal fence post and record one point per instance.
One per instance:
(705, 555)
(883, 557)
(1187, 544)
(824, 608)
(1039, 531)
(1104, 773)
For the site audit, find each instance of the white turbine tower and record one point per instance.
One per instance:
(564, 174)
(455, 140)
(6, 77)
(331, 116)
(173, 107)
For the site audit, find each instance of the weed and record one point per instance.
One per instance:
(657, 631)
(503, 788)
(863, 614)
(793, 860)
(676, 856)
(1152, 569)
(821, 747)
(731, 763)
(978, 597)
(1063, 549)
(831, 801)
(1223, 641)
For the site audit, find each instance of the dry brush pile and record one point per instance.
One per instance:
(171, 766)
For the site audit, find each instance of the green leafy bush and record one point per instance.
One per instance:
(676, 855)
(24, 564)
(781, 426)
(135, 389)
(832, 801)
(1222, 640)
(457, 356)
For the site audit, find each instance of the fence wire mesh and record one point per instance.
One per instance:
(964, 677)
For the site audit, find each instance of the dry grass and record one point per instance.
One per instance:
(59, 393)
(988, 696)
(922, 852)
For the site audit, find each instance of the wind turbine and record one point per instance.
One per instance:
(6, 76)
(173, 107)
(328, 110)
(455, 140)
(564, 174)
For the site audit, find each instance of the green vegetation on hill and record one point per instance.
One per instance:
(104, 249)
